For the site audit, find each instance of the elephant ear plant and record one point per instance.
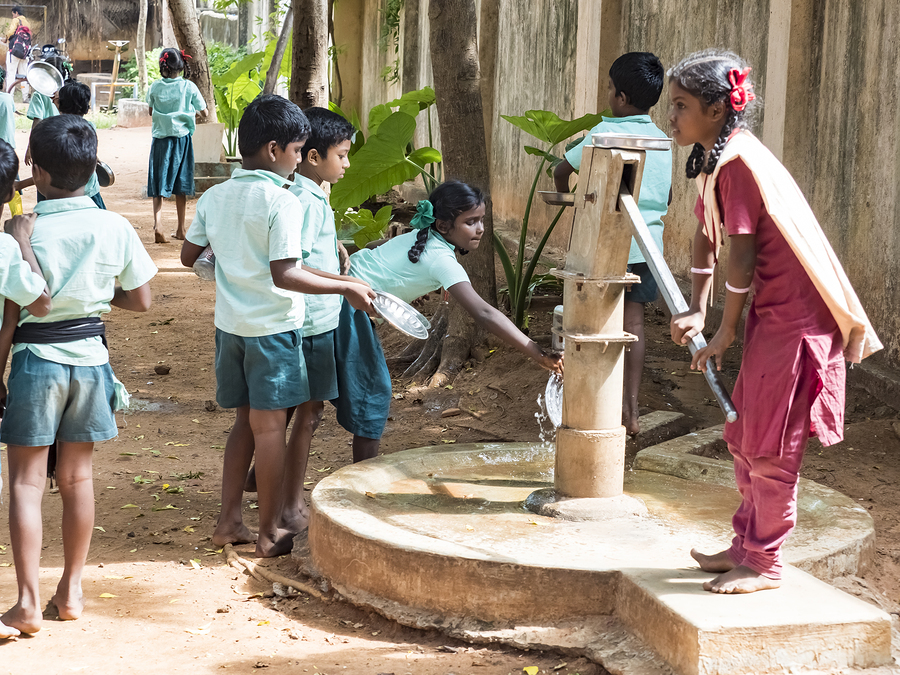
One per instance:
(550, 129)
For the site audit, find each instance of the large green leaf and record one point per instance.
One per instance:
(548, 127)
(242, 67)
(358, 138)
(422, 156)
(377, 115)
(411, 103)
(379, 165)
(541, 153)
(421, 97)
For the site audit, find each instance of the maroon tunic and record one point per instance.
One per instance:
(791, 339)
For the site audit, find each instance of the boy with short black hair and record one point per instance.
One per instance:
(251, 223)
(325, 158)
(61, 386)
(75, 99)
(635, 84)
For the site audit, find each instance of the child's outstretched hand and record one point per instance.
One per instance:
(552, 362)
(715, 349)
(20, 226)
(686, 325)
(360, 296)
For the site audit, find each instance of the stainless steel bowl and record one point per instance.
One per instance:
(557, 198)
(401, 315)
(44, 78)
(105, 175)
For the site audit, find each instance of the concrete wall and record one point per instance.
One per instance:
(833, 115)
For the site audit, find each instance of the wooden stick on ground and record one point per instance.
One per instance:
(262, 574)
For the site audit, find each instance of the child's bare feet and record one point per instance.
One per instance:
(179, 234)
(295, 521)
(24, 619)
(717, 562)
(282, 545)
(631, 423)
(159, 237)
(7, 631)
(69, 602)
(741, 580)
(232, 535)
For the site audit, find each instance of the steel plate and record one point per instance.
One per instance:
(401, 315)
(631, 142)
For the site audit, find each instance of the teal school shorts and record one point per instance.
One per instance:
(75, 404)
(364, 382)
(321, 369)
(266, 372)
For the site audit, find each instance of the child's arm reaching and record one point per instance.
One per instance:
(494, 321)
(741, 267)
(190, 252)
(333, 277)
(287, 275)
(561, 175)
(688, 324)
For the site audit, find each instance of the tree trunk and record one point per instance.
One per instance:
(187, 31)
(140, 53)
(278, 54)
(309, 67)
(457, 84)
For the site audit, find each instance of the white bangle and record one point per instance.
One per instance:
(702, 270)
(737, 290)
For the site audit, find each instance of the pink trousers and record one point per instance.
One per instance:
(768, 487)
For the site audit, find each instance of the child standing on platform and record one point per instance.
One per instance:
(252, 224)
(635, 84)
(61, 386)
(174, 103)
(409, 266)
(803, 322)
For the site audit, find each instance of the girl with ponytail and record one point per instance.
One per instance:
(174, 103)
(804, 319)
(450, 221)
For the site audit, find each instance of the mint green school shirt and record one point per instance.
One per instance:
(388, 268)
(93, 185)
(174, 101)
(251, 220)
(17, 281)
(83, 252)
(319, 237)
(41, 107)
(7, 119)
(653, 200)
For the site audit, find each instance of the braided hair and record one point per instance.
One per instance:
(172, 62)
(449, 199)
(705, 75)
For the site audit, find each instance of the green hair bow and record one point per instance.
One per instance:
(424, 215)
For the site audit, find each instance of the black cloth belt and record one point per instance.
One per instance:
(53, 332)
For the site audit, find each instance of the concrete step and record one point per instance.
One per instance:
(804, 626)
(203, 183)
(212, 169)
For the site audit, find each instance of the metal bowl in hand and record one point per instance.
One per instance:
(105, 175)
(44, 78)
(401, 315)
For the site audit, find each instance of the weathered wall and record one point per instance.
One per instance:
(839, 110)
(844, 146)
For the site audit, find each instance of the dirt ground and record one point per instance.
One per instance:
(161, 598)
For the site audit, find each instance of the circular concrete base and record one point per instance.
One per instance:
(444, 531)
(548, 502)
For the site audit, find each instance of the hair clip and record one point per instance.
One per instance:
(424, 215)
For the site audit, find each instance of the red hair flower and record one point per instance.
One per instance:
(185, 57)
(741, 90)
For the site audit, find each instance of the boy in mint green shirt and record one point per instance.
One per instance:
(254, 227)
(635, 84)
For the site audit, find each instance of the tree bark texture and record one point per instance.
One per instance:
(187, 31)
(309, 67)
(278, 54)
(140, 52)
(457, 85)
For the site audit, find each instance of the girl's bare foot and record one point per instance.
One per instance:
(69, 602)
(26, 620)
(717, 562)
(179, 234)
(741, 580)
(7, 631)
(159, 237)
(282, 545)
(225, 535)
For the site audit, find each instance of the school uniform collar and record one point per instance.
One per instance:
(633, 119)
(437, 237)
(310, 186)
(50, 206)
(173, 79)
(271, 176)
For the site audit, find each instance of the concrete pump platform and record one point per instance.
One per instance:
(439, 537)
